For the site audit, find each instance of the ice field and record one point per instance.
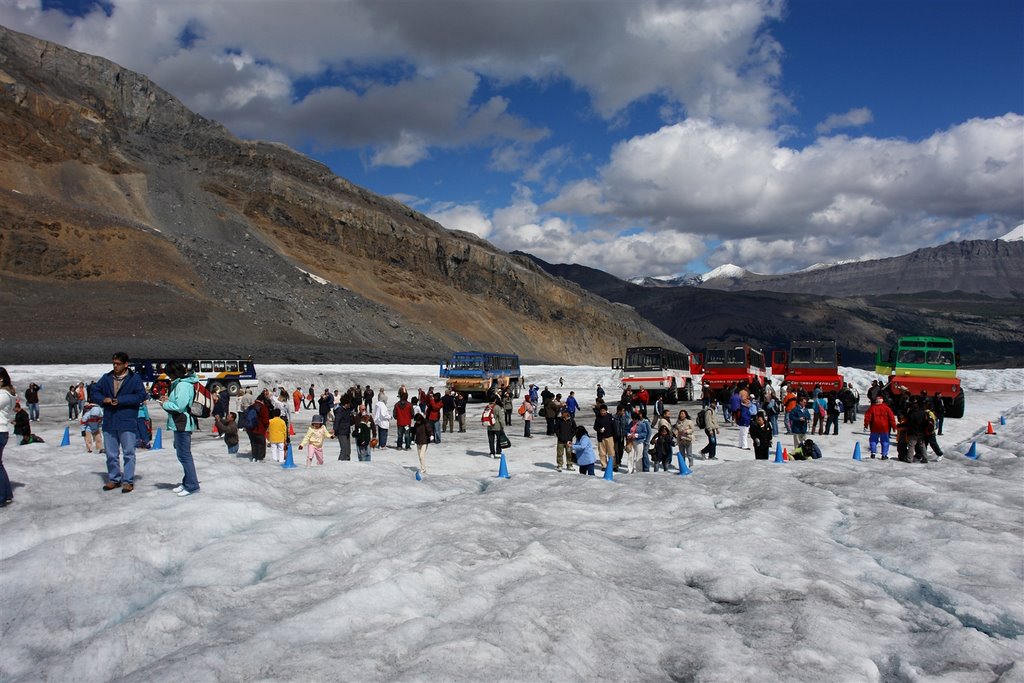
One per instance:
(828, 570)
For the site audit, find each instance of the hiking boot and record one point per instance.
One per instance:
(127, 488)
(111, 485)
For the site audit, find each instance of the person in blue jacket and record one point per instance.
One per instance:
(586, 456)
(120, 392)
(181, 423)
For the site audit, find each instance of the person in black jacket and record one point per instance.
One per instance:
(663, 443)
(604, 431)
(761, 434)
(565, 432)
(343, 418)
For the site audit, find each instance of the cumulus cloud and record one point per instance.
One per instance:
(737, 184)
(522, 225)
(854, 118)
(424, 61)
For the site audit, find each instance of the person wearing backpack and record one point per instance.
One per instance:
(255, 421)
(178, 405)
(120, 392)
(708, 421)
(526, 410)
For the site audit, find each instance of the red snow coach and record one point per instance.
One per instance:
(809, 364)
(726, 363)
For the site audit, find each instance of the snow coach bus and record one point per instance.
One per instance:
(728, 363)
(478, 373)
(233, 374)
(809, 364)
(665, 373)
(925, 364)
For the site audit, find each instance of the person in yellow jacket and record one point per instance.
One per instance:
(277, 433)
(315, 437)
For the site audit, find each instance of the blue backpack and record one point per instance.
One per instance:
(250, 418)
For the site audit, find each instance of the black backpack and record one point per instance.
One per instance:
(702, 420)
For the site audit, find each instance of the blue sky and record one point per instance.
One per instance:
(637, 137)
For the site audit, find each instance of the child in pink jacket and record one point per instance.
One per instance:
(315, 437)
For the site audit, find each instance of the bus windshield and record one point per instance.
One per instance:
(726, 357)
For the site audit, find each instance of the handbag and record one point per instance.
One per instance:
(503, 440)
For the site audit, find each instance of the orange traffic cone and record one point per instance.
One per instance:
(214, 430)
(990, 430)
(785, 455)
(291, 429)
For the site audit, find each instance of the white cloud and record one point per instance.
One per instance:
(712, 59)
(854, 118)
(734, 183)
(465, 217)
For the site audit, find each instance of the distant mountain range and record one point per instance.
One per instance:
(990, 267)
(971, 291)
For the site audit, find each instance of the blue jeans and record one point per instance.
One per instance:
(183, 449)
(6, 492)
(647, 456)
(404, 438)
(436, 424)
(126, 441)
(363, 453)
(382, 437)
(33, 411)
(875, 439)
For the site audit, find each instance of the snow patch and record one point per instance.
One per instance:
(1014, 235)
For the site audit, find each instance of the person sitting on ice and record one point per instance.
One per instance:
(583, 451)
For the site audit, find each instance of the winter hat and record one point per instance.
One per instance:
(318, 419)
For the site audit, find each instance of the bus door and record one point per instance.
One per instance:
(616, 363)
(778, 362)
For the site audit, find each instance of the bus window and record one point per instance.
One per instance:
(737, 357)
(218, 366)
(940, 358)
(824, 354)
(713, 356)
(195, 366)
(205, 366)
(801, 354)
(231, 366)
(910, 356)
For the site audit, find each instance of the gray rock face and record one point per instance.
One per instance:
(990, 267)
(106, 180)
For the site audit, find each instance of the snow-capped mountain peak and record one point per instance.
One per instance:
(1014, 235)
(727, 270)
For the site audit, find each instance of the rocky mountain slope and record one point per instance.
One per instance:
(988, 331)
(132, 223)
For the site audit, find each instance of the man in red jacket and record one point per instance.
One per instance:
(402, 413)
(879, 420)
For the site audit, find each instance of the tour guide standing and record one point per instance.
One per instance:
(120, 392)
(181, 422)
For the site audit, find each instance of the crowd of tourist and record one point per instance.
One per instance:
(635, 434)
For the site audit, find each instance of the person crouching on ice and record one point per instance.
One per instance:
(315, 437)
(584, 452)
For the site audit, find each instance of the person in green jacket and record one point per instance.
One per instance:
(180, 421)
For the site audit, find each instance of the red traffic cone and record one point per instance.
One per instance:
(785, 455)
(214, 430)
(291, 429)
(990, 430)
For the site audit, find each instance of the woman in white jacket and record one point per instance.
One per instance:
(382, 419)
(7, 401)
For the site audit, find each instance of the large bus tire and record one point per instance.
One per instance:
(956, 410)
